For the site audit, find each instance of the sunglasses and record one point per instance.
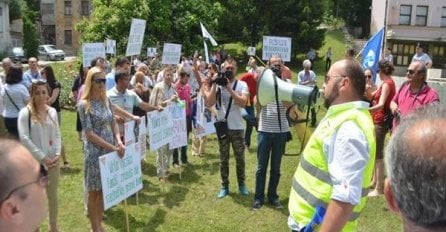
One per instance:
(411, 71)
(99, 80)
(42, 180)
(368, 77)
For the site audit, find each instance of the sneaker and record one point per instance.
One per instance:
(224, 191)
(256, 205)
(276, 204)
(243, 190)
(374, 193)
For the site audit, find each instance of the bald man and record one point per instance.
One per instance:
(416, 170)
(22, 188)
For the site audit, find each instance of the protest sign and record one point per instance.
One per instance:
(121, 177)
(178, 112)
(273, 45)
(171, 53)
(141, 139)
(136, 37)
(204, 124)
(160, 128)
(91, 51)
(129, 132)
(251, 51)
(110, 46)
(151, 52)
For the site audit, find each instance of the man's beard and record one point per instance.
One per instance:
(328, 100)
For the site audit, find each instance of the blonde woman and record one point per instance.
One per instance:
(39, 132)
(101, 137)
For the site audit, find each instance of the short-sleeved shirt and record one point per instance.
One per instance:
(306, 76)
(422, 57)
(234, 119)
(126, 100)
(407, 101)
(110, 80)
(56, 103)
(251, 82)
(29, 76)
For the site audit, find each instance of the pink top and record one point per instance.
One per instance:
(184, 94)
(408, 101)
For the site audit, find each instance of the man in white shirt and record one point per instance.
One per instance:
(421, 56)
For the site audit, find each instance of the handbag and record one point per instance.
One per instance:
(221, 127)
(388, 120)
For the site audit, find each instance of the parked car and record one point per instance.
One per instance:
(17, 55)
(50, 52)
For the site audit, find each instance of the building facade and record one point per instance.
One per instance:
(5, 36)
(410, 22)
(58, 22)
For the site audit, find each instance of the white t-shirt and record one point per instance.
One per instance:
(234, 120)
(303, 77)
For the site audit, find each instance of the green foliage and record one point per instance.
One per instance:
(30, 36)
(355, 13)
(15, 11)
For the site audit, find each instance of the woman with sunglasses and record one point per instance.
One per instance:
(47, 73)
(101, 137)
(35, 120)
(380, 103)
(370, 86)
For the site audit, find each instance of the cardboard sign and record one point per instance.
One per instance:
(120, 178)
(171, 53)
(129, 132)
(151, 52)
(160, 128)
(178, 112)
(110, 46)
(91, 51)
(273, 45)
(136, 37)
(251, 51)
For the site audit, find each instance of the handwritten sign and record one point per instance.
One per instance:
(171, 53)
(178, 112)
(251, 51)
(120, 178)
(136, 37)
(160, 128)
(273, 45)
(205, 119)
(151, 52)
(91, 51)
(110, 46)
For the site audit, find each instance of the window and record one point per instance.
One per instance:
(47, 8)
(405, 13)
(68, 37)
(67, 7)
(421, 19)
(402, 53)
(443, 17)
(1, 19)
(85, 5)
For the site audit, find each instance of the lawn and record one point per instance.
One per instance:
(190, 203)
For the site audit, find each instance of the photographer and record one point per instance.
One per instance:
(229, 97)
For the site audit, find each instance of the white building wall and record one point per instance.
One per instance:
(5, 37)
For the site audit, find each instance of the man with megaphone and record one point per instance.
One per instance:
(330, 186)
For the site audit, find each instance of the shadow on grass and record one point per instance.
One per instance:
(69, 172)
(116, 219)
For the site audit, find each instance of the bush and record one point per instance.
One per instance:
(65, 74)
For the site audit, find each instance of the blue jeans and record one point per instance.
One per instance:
(249, 116)
(269, 145)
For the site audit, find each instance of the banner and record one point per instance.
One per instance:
(371, 52)
(171, 53)
(91, 51)
(110, 46)
(251, 51)
(120, 178)
(160, 128)
(273, 45)
(136, 37)
(151, 52)
(178, 112)
(204, 119)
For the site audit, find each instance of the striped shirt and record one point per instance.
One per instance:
(268, 121)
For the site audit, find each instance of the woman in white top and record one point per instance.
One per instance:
(39, 132)
(15, 97)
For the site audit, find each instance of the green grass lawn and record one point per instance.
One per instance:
(190, 203)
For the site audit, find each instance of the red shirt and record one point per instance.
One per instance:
(408, 101)
(378, 116)
(250, 80)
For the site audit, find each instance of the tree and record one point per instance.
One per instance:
(356, 13)
(14, 10)
(30, 35)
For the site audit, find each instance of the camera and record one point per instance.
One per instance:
(277, 70)
(222, 78)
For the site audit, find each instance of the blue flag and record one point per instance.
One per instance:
(372, 51)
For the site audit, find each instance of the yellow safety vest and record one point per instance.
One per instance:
(311, 185)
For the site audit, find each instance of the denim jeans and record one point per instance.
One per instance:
(269, 145)
(249, 116)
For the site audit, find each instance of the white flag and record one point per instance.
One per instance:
(207, 35)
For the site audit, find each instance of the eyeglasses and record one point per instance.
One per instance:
(42, 180)
(99, 80)
(328, 77)
(368, 76)
(411, 71)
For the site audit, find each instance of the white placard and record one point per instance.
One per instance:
(110, 46)
(171, 53)
(178, 112)
(141, 139)
(274, 45)
(204, 119)
(160, 128)
(136, 37)
(120, 178)
(151, 52)
(251, 51)
(129, 132)
(91, 51)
